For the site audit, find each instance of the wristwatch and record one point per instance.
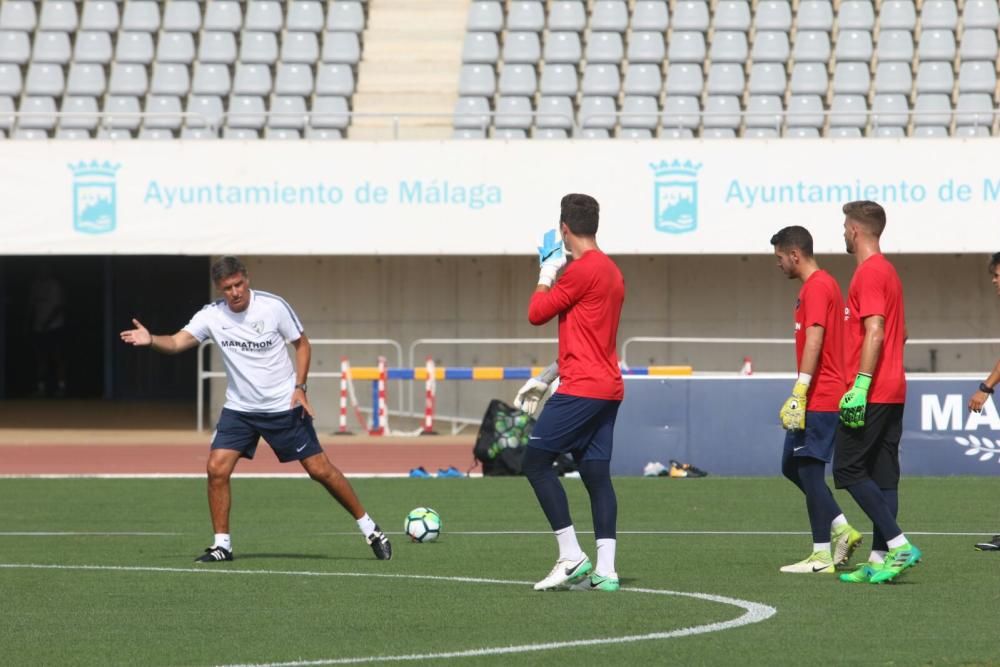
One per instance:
(304, 387)
(985, 389)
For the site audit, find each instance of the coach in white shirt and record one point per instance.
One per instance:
(265, 396)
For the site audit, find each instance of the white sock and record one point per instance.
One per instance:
(897, 541)
(366, 525)
(839, 521)
(223, 540)
(569, 547)
(605, 557)
(821, 546)
(876, 557)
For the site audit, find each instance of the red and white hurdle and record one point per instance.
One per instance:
(430, 387)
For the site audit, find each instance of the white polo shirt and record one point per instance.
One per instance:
(260, 372)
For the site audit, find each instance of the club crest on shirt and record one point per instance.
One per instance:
(798, 302)
(257, 325)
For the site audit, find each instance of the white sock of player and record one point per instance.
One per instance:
(876, 557)
(605, 557)
(896, 542)
(569, 547)
(223, 540)
(366, 525)
(839, 521)
(821, 546)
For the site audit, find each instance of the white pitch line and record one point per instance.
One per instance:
(485, 533)
(754, 612)
(80, 533)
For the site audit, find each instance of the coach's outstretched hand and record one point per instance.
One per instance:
(551, 258)
(793, 412)
(139, 336)
(855, 402)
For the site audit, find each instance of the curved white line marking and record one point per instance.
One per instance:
(754, 612)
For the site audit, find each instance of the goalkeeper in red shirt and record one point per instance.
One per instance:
(579, 418)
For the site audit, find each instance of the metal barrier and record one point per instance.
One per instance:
(207, 375)
(472, 341)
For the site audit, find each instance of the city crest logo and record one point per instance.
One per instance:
(675, 196)
(95, 201)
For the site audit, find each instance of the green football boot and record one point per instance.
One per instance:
(862, 574)
(896, 562)
(596, 582)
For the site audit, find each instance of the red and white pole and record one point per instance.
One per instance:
(381, 425)
(345, 376)
(430, 387)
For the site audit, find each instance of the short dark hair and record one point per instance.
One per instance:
(994, 262)
(225, 267)
(868, 213)
(580, 213)
(794, 237)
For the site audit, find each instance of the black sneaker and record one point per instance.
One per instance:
(380, 544)
(214, 554)
(992, 545)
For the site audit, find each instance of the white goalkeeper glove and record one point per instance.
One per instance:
(551, 258)
(537, 389)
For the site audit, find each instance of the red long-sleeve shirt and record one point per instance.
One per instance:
(588, 299)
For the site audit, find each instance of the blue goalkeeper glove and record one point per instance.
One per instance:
(551, 258)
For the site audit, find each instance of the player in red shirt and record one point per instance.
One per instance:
(866, 455)
(810, 414)
(580, 417)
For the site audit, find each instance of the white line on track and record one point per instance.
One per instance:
(753, 612)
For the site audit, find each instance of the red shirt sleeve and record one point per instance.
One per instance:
(566, 291)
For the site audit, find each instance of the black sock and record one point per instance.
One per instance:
(596, 476)
(876, 505)
(878, 539)
(537, 467)
(820, 504)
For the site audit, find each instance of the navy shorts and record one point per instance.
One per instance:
(583, 427)
(290, 433)
(816, 441)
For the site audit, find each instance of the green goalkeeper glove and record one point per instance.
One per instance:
(793, 412)
(855, 401)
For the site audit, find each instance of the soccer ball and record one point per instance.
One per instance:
(423, 524)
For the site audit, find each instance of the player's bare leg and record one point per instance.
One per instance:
(221, 463)
(323, 471)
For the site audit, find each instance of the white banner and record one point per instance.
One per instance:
(486, 198)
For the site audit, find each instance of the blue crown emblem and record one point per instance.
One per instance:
(675, 195)
(95, 201)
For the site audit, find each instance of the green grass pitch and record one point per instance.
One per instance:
(279, 603)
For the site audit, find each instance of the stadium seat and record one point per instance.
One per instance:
(206, 111)
(676, 133)
(853, 46)
(155, 134)
(688, 47)
(85, 79)
(890, 111)
(811, 46)
(598, 112)
(808, 78)
(322, 134)
(856, 15)
(293, 79)
(761, 133)
(181, 16)
(211, 79)
(22, 133)
(609, 16)
(468, 134)
(175, 47)
(93, 47)
(223, 16)
(559, 110)
(518, 80)
(559, 80)
(281, 133)
(52, 47)
(974, 109)
(337, 80)
(477, 81)
(563, 48)
(170, 79)
(767, 79)
(690, 16)
(684, 80)
(81, 113)
(70, 134)
(601, 80)
(814, 15)
(472, 113)
(513, 113)
(15, 47)
(121, 112)
(770, 47)
(6, 113)
(135, 47)
(246, 112)
(773, 15)
(722, 111)
(725, 79)
(550, 133)
(844, 133)
(805, 111)
(895, 46)
(891, 78)
(485, 17)
(240, 133)
(217, 47)
(519, 48)
(978, 44)
(43, 79)
(525, 15)
(128, 79)
(646, 47)
(509, 134)
(732, 15)
(341, 47)
(971, 131)
(307, 16)
(852, 78)
(264, 15)
(330, 113)
(718, 133)
(938, 15)
(930, 132)
(980, 14)
(18, 15)
(849, 111)
(100, 15)
(977, 77)
(605, 48)
(801, 133)
(888, 132)
(198, 133)
(252, 80)
(113, 134)
(164, 112)
(728, 47)
(342, 16)
(58, 15)
(932, 109)
(567, 16)
(634, 133)
(643, 80)
(935, 77)
(936, 45)
(650, 15)
(897, 15)
(259, 48)
(765, 111)
(481, 48)
(681, 112)
(640, 112)
(287, 112)
(40, 113)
